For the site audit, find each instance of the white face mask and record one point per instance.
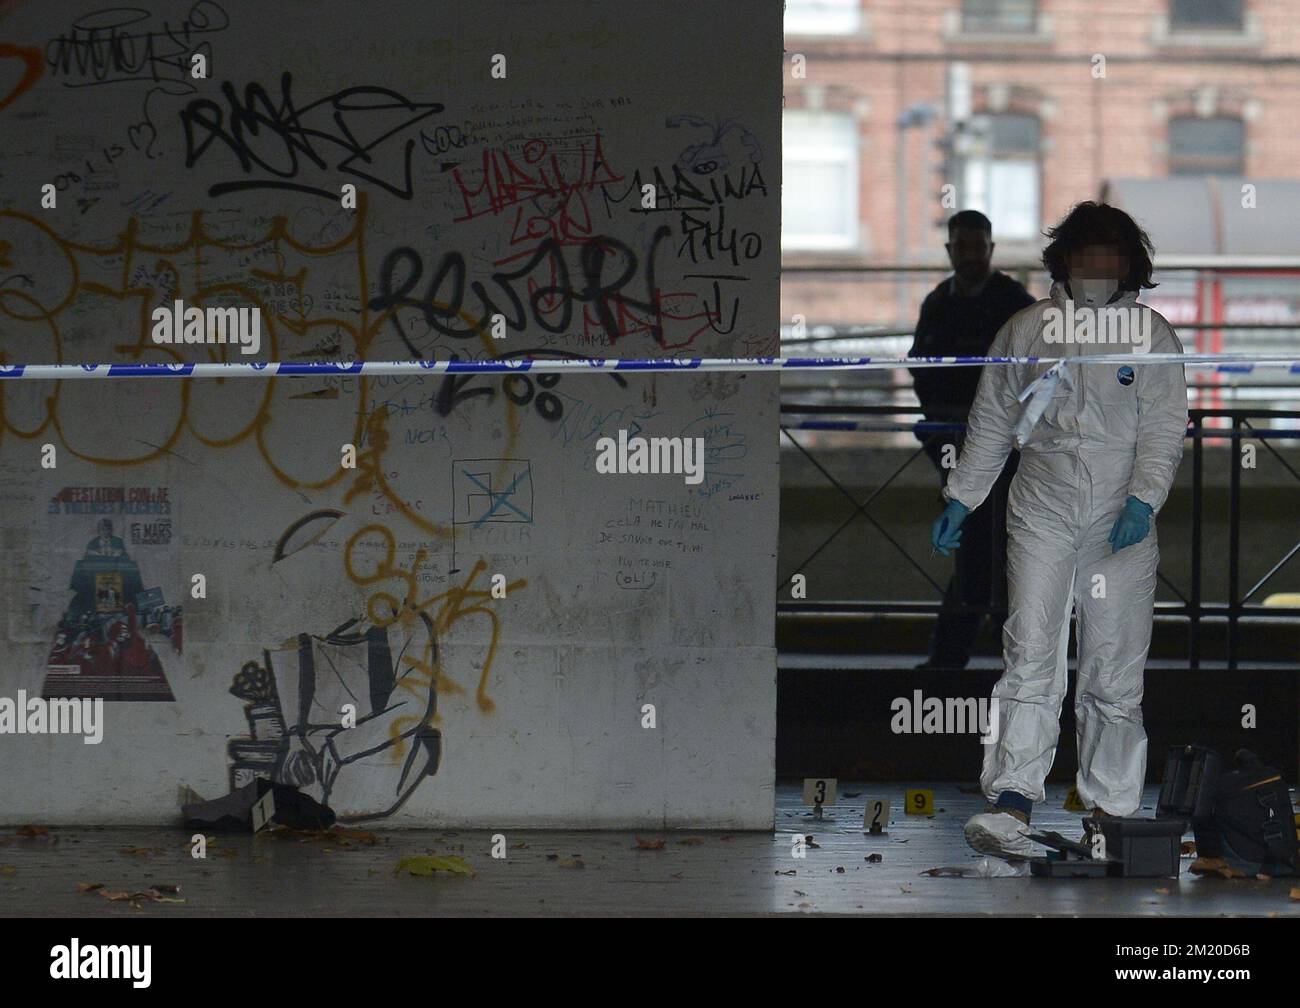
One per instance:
(1093, 293)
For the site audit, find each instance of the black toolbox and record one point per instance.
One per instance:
(1140, 848)
(1135, 848)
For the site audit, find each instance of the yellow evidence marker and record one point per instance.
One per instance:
(919, 801)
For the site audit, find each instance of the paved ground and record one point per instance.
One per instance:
(566, 873)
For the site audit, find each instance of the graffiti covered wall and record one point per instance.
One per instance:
(466, 620)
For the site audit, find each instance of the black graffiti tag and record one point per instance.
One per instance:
(273, 135)
(548, 303)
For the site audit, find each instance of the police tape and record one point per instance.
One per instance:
(1234, 363)
(933, 427)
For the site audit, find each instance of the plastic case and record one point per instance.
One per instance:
(1142, 848)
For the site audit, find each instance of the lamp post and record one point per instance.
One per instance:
(916, 115)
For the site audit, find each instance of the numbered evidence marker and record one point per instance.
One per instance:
(819, 791)
(876, 816)
(263, 810)
(920, 801)
(1073, 803)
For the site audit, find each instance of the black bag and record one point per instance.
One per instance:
(1242, 815)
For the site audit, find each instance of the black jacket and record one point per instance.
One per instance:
(955, 326)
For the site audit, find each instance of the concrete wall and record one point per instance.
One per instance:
(372, 586)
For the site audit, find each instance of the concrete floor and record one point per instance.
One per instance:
(590, 873)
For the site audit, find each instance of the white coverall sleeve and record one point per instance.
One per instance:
(1162, 421)
(990, 428)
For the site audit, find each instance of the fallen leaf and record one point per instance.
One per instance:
(154, 894)
(33, 831)
(642, 844)
(89, 886)
(1295, 892)
(1188, 848)
(425, 865)
(552, 857)
(691, 841)
(573, 862)
(1163, 892)
(1214, 866)
(7, 869)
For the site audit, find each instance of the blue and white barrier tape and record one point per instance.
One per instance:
(1223, 363)
(927, 427)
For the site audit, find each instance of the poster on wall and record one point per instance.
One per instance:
(122, 626)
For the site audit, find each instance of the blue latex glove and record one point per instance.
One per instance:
(1132, 526)
(945, 534)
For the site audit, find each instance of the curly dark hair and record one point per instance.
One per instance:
(1092, 223)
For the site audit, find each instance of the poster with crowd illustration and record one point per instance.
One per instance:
(118, 633)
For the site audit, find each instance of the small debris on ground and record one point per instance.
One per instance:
(425, 865)
(157, 893)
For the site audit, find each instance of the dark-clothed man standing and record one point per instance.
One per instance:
(960, 317)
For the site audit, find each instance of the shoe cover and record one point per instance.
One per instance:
(999, 834)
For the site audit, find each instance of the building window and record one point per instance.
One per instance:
(819, 188)
(1213, 146)
(1205, 15)
(823, 17)
(1001, 173)
(998, 15)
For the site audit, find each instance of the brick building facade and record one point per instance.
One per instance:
(1019, 108)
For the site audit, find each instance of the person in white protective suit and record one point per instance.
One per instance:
(1100, 446)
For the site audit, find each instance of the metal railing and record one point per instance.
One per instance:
(1191, 603)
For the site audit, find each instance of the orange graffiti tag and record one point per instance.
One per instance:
(32, 69)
